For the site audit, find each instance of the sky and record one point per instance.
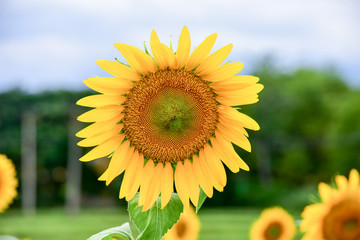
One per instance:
(49, 45)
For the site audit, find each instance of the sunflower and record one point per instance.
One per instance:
(338, 215)
(273, 224)
(187, 228)
(8, 182)
(169, 118)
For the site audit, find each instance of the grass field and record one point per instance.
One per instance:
(54, 224)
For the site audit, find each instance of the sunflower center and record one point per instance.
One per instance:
(173, 113)
(273, 231)
(343, 221)
(169, 115)
(180, 229)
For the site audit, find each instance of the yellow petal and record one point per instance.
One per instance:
(235, 82)
(101, 100)
(101, 114)
(214, 60)
(231, 123)
(326, 192)
(181, 184)
(354, 179)
(119, 70)
(215, 164)
(229, 151)
(254, 89)
(129, 172)
(167, 183)
(231, 113)
(193, 184)
(102, 137)
(184, 45)
(149, 171)
(230, 163)
(201, 52)
(154, 37)
(341, 182)
(99, 127)
(209, 173)
(104, 149)
(202, 177)
(109, 85)
(154, 192)
(136, 58)
(236, 101)
(119, 161)
(234, 137)
(163, 55)
(104, 176)
(136, 178)
(224, 72)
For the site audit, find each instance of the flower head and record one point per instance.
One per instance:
(187, 228)
(273, 224)
(338, 215)
(168, 118)
(8, 182)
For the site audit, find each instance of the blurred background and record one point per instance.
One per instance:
(306, 54)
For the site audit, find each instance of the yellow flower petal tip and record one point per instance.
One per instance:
(8, 182)
(160, 103)
(339, 207)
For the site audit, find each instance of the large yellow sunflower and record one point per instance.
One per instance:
(168, 118)
(8, 182)
(338, 215)
(273, 224)
(187, 228)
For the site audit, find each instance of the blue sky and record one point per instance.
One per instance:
(46, 45)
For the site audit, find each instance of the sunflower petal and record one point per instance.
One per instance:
(215, 165)
(326, 192)
(163, 55)
(153, 194)
(101, 114)
(201, 52)
(119, 70)
(109, 85)
(101, 100)
(254, 89)
(211, 175)
(136, 58)
(135, 177)
(354, 179)
(183, 50)
(236, 101)
(194, 189)
(237, 116)
(202, 177)
(104, 149)
(119, 161)
(230, 163)
(235, 82)
(102, 137)
(98, 127)
(214, 60)
(238, 139)
(149, 171)
(166, 184)
(228, 149)
(181, 184)
(224, 72)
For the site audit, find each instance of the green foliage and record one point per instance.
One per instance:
(120, 233)
(202, 198)
(154, 223)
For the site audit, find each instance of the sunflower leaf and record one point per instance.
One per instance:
(202, 198)
(119, 233)
(154, 223)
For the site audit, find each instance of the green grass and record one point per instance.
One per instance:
(54, 224)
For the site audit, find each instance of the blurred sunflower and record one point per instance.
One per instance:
(8, 182)
(273, 224)
(168, 118)
(338, 216)
(187, 228)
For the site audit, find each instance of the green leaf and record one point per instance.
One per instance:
(120, 233)
(202, 198)
(154, 223)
